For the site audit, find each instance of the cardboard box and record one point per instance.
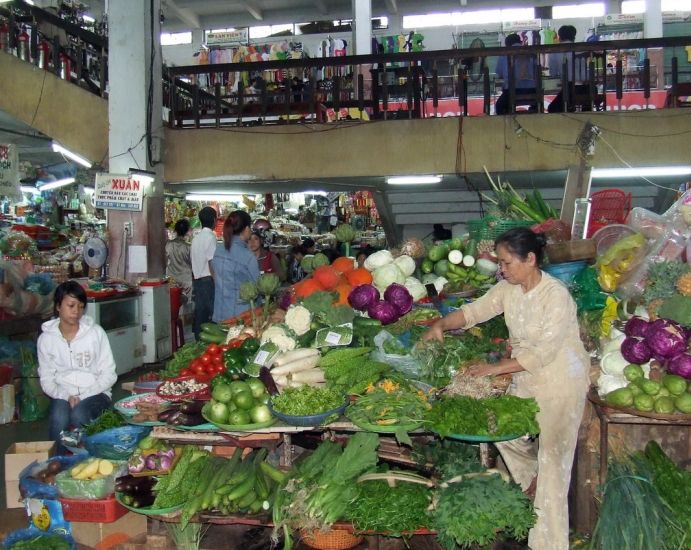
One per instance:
(103, 536)
(19, 455)
(12, 495)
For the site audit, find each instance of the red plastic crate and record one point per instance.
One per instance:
(106, 510)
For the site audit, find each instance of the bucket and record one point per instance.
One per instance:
(565, 272)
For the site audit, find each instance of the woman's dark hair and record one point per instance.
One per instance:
(298, 249)
(68, 288)
(182, 227)
(331, 254)
(207, 217)
(235, 223)
(521, 241)
(567, 32)
(512, 39)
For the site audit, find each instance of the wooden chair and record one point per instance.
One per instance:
(679, 95)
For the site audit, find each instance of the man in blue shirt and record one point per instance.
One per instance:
(523, 74)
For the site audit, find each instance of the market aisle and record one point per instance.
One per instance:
(38, 431)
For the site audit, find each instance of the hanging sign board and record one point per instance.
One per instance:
(118, 192)
(238, 36)
(9, 171)
(524, 25)
(623, 18)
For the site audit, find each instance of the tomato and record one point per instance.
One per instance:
(205, 359)
(198, 369)
(235, 344)
(219, 369)
(186, 372)
(213, 349)
(223, 348)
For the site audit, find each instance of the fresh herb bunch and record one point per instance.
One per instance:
(307, 400)
(395, 511)
(662, 278)
(321, 305)
(492, 416)
(181, 359)
(108, 420)
(352, 376)
(448, 458)
(472, 511)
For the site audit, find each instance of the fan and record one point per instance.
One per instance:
(95, 255)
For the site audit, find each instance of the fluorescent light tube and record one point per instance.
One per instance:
(55, 184)
(220, 197)
(413, 180)
(29, 188)
(144, 176)
(643, 171)
(69, 154)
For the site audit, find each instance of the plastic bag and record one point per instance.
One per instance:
(405, 364)
(30, 486)
(33, 404)
(89, 489)
(116, 443)
(620, 258)
(586, 290)
(33, 533)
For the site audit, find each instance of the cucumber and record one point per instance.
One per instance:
(212, 338)
(273, 473)
(257, 506)
(247, 499)
(261, 486)
(243, 488)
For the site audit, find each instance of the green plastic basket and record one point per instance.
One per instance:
(488, 229)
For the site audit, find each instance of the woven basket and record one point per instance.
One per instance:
(334, 539)
(488, 229)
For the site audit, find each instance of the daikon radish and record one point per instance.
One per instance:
(295, 355)
(296, 366)
(308, 376)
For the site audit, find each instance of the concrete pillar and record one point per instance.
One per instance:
(135, 134)
(652, 26)
(613, 7)
(362, 27)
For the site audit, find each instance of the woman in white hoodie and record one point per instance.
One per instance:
(75, 363)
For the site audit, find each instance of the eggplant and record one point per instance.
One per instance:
(268, 380)
(192, 407)
(136, 485)
(142, 501)
(165, 415)
(182, 419)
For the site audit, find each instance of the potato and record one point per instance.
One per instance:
(105, 467)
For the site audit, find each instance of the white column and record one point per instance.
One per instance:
(613, 7)
(362, 27)
(136, 129)
(653, 19)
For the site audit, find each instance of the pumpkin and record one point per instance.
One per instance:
(306, 287)
(359, 276)
(343, 264)
(343, 290)
(327, 277)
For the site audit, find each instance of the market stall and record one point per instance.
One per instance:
(319, 413)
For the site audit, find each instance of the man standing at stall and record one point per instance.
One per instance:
(201, 253)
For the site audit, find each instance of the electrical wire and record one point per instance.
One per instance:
(40, 99)
(619, 157)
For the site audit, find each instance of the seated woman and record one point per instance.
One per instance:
(75, 363)
(267, 260)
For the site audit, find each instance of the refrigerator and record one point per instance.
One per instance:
(156, 326)
(120, 317)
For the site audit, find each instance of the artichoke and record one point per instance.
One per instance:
(268, 284)
(319, 260)
(307, 263)
(344, 233)
(248, 292)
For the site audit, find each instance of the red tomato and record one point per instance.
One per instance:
(219, 369)
(224, 348)
(205, 359)
(235, 343)
(213, 349)
(198, 369)
(194, 362)
(185, 372)
(218, 360)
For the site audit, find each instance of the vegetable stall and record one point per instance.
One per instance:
(328, 418)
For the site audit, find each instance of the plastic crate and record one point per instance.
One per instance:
(106, 510)
(488, 229)
(609, 206)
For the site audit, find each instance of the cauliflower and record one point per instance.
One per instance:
(281, 335)
(299, 319)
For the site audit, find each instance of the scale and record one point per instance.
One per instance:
(95, 255)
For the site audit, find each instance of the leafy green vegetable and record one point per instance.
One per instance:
(42, 542)
(662, 278)
(472, 511)
(493, 416)
(181, 359)
(340, 335)
(341, 356)
(307, 400)
(321, 306)
(391, 510)
(448, 458)
(353, 376)
(108, 420)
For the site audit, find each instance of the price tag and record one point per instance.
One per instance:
(333, 338)
(261, 358)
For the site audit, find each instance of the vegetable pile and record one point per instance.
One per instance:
(307, 401)
(491, 417)
(350, 371)
(107, 420)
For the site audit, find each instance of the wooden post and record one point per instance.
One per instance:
(577, 186)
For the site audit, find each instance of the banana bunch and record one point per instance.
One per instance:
(93, 468)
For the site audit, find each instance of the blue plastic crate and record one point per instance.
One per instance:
(565, 272)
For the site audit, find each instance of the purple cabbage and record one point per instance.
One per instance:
(681, 365)
(665, 339)
(362, 297)
(635, 350)
(636, 326)
(399, 297)
(383, 311)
